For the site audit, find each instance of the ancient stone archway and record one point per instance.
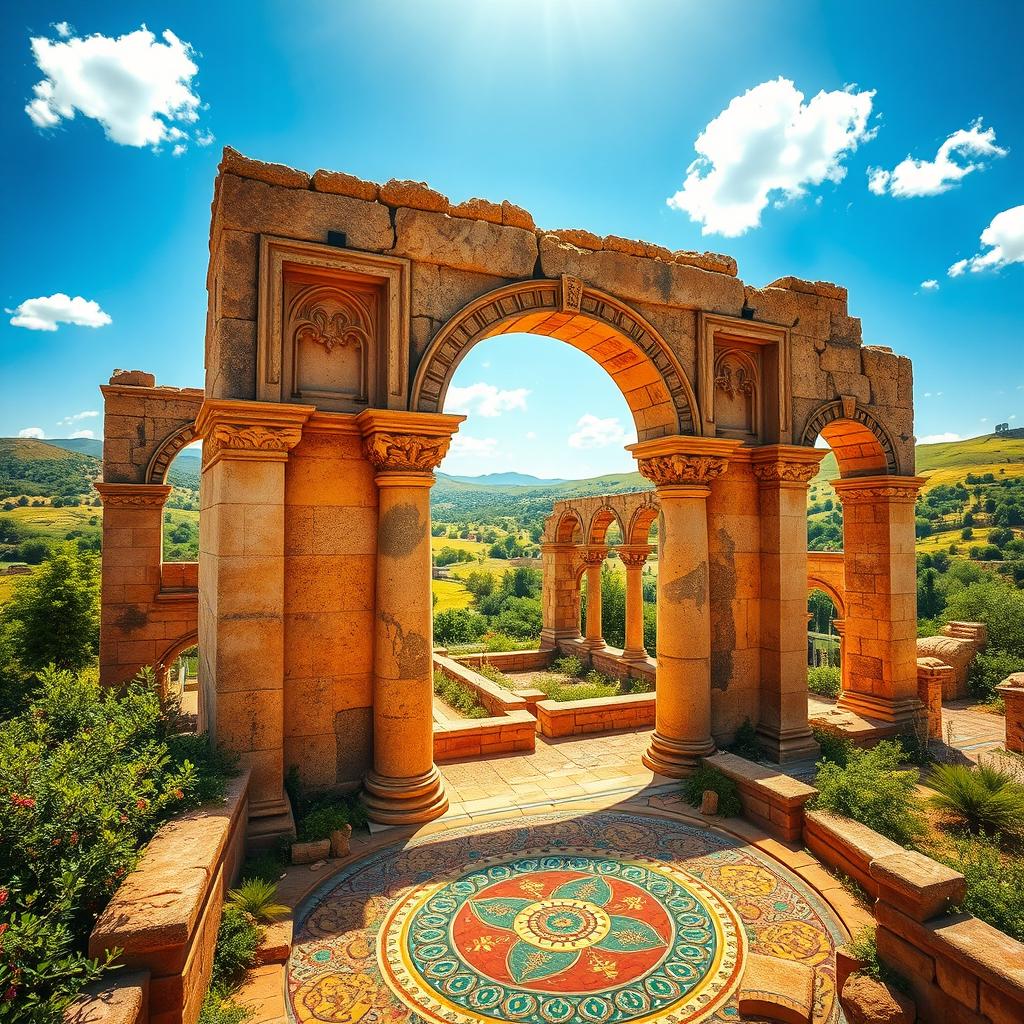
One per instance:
(618, 338)
(861, 444)
(160, 463)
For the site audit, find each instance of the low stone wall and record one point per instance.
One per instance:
(511, 727)
(773, 800)
(165, 915)
(124, 1000)
(179, 576)
(610, 662)
(509, 661)
(958, 968)
(599, 714)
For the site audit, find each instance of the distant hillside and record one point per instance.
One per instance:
(37, 469)
(508, 480)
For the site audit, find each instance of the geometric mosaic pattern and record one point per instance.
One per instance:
(602, 918)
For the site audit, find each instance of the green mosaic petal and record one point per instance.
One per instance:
(628, 934)
(499, 913)
(528, 963)
(592, 889)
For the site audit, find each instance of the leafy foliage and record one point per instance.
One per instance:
(823, 680)
(745, 744)
(995, 883)
(705, 778)
(238, 938)
(981, 797)
(458, 696)
(255, 897)
(872, 789)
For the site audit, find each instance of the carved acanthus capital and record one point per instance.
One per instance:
(785, 472)
(858, 490)
(633, 558)
(135, 496)
(593, 555)
(239, 430)
(406, 452)
(252, 438)
(663, 470)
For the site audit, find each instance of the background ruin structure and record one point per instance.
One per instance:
(339, 310)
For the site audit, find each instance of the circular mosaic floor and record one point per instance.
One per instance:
(548, 920)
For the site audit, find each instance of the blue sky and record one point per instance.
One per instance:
(587, 113)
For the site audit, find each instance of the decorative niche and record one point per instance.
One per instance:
(333, 327)
(743, 375)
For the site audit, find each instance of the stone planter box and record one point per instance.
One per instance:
(165, 915)
(510, 661)
(456, 739)
(599, 714)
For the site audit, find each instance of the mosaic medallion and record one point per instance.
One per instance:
(569, 937)
(547, 921)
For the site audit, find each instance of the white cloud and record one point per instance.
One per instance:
(63, 29)
(139, 89)
(45, 312)
(484, 399)
(931, 285)
(36, 432)
(477, 447)
(939, 438)
(88, 414)
(952, 163)
(594, 432)
(83, 433)
(768, 145)
(1005, 239)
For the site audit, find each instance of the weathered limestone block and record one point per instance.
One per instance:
(825, 289)
(716, 262)
(233, 162)
(917, 885)
(231, 359)
(579, 237)
(464, 244)
(259, 207)
(415, 195)
(905, 383)
(643, 280)
(631, 247)
(776, 989)
(478, 209)
(513, 216)
(867, 1001)
(341, 841)
(237, 270)
(806, 313)
(310, 853)
(1012, 691)
(810, 381)
(846, 329)
(133, 378)
(340, 184)
(440, 292)
(880, 366)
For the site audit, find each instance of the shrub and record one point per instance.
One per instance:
(219, 1009)
(744, 743)
(872, 789)
(458, 696)
(238, 938)
(489, 671)
(329, 815)
(864, 947)
(824, 681)
(835, 748)
(570, 665)
(705, 778)
(268, 865)
(982, 798)
(255, 897)
(995, 883)
(458, 626)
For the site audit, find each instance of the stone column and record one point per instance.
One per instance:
(242, 594)
(593, 557)
(839, 625)
(130, 578)
(682, 468)
(880, 644)
(634, 558)
(404, 785)
(1011, 689)
(560, 599)
(783, 473)
(931, 680)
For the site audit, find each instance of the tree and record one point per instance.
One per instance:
(53, 617)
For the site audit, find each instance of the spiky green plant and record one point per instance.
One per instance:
(983, 798)
(255, 896)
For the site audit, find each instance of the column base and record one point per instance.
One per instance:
(784, 748)
(550, 638)
(676, 758)
(899, 712)
(408, 801)
(637, 654)
(269, 821)
(593, 645)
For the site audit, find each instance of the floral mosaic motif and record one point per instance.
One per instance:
(353, 961)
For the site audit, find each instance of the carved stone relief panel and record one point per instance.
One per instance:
(744, 379)
(333, 327)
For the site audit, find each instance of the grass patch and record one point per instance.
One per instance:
(705, 778)
(458, 696)
(981, 798)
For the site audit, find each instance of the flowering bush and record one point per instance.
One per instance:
(87, 775)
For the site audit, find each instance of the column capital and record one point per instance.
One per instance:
(408, 443)
(593, 554)
(878, 488)
(133, 495)
(786, 464)
(683, 460)
(241, 430)
(634, 556)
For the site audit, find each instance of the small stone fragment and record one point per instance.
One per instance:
(580, 238)
(649, 250)
(867, 1001)
(513, 216)
(341, 841)
(416, 195)
(133, 378)
(233, 162)
(340, 184)
(478, 209)
(709, 802)
(307, 853)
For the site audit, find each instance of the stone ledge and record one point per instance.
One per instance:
(122, 999)
(459, 739)
(494, 697)
(846, 845)
(917, 885)
(598, 714)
